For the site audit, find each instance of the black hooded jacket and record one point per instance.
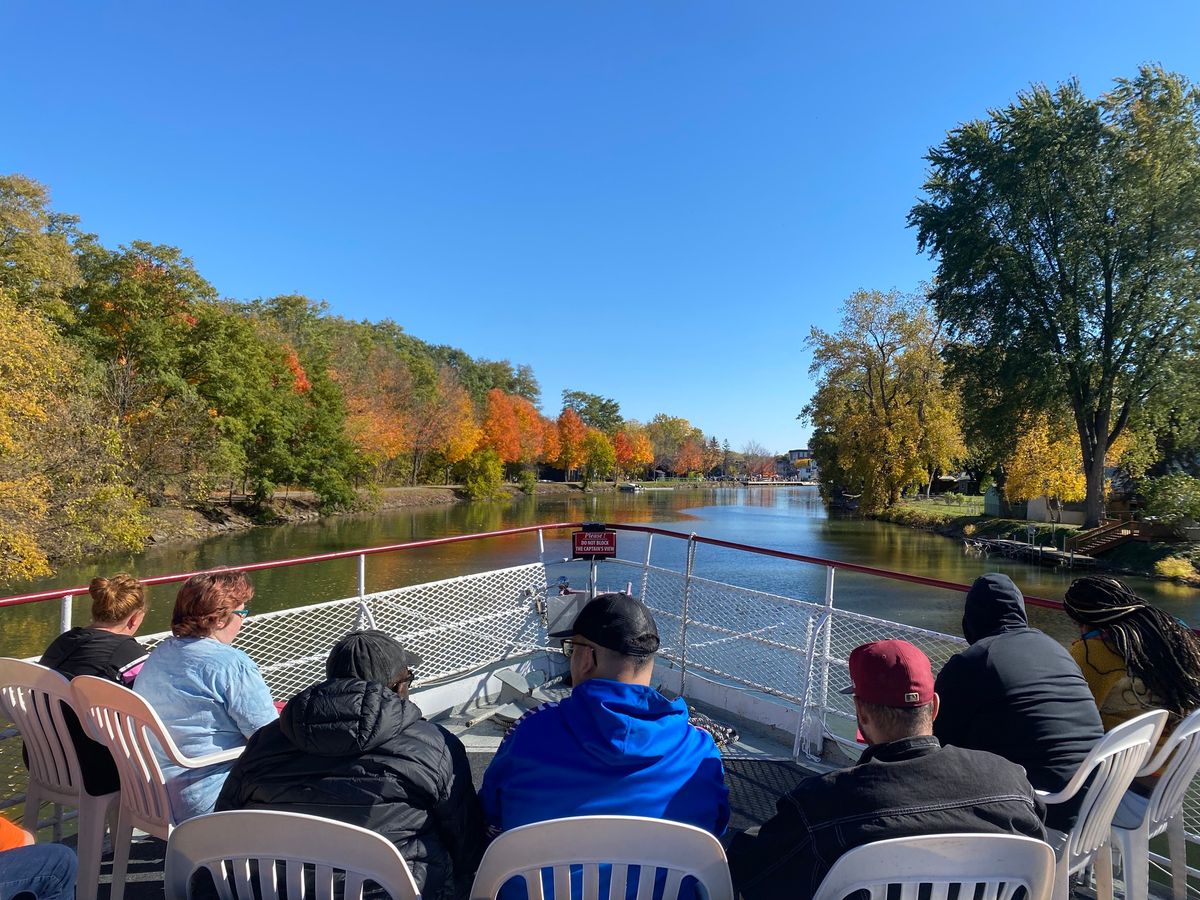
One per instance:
(1017, 693)
(354, 751)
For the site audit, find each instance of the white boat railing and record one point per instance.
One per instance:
(790, 649)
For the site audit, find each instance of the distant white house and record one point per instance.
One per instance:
(806, 468)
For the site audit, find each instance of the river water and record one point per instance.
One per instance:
(791, 519)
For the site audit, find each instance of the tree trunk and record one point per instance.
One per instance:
(1094, 510)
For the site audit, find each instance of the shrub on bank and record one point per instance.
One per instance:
(1176, 567)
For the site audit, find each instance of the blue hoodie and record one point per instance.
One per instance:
(608, 749)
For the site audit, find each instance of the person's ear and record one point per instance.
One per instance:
(937, 704)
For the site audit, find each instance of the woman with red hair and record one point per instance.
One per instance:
(210, 695)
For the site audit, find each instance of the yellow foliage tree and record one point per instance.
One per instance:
(61, 491)
(882, 416)
(1046, 463)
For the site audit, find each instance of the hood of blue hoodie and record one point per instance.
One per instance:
(624, 725)
(994, 606)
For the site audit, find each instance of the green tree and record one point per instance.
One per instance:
(1065, 231)
(37, 261)
(134, 314)
(599, 457)
(596, 411)
(482, 475)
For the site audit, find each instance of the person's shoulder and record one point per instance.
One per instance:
(1000, 771)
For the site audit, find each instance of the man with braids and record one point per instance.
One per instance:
(1134, 656)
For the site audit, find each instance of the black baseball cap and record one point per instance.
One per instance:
(616, 622)
(369, 656)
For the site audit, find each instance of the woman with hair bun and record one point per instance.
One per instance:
(107, 649)
(210, 695)
(1134, 656)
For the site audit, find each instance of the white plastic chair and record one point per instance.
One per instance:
(1001, 863)
(32, 697)
(225, 843)
(130, 728)
(593, 841)
(1115, 759)
(1140, 818)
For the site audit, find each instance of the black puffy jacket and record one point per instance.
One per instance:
(355, 751)
(1017, 693)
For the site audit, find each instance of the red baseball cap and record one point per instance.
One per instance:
(890, 673)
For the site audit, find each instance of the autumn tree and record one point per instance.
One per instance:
(878, 396)
(376, 385)
(632, 449)
(712, 454)
(571, 434)
(1045, 462)
(62, 494)
(1065, 231)
(690, 457)
(758, 460)
(667, 434)
(500, 427)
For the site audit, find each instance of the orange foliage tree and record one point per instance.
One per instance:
(571, 434)
(690, 457)
(500, 428)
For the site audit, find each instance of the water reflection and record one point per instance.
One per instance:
(791, 519)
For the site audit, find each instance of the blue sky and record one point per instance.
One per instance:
(652, 201)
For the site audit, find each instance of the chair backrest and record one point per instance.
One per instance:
(1183, 750)
(226, 843)
(624, 842)
(1113, 762)
(32, 696)
(129, 727)
(988, 865)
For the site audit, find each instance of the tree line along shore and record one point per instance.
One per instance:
(131, 392)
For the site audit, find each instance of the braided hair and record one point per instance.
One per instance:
(1156, 647)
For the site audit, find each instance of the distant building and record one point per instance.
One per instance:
(802, 462)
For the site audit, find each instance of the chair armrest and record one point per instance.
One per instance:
(1062, 796)
(212, 759)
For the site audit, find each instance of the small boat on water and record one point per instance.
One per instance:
(629, 487)
(761, 670)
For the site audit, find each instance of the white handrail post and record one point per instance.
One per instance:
(64, 613)
(646, 567)
(826, 644)
(683, 613)
(365, 617)
(799, 743)
(816, 713)
(541, 547)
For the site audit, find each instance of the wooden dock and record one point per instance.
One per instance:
(1047, 556)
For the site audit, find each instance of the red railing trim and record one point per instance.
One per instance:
(529, 529)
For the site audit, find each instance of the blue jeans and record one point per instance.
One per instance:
(46, 871)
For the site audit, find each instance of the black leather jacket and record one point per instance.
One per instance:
(354, 751)
(899, 789)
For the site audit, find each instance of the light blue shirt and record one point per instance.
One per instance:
(211, 697)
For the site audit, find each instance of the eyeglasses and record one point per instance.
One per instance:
(570, 645)
(240, 613)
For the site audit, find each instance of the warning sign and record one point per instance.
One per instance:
(594, 544)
